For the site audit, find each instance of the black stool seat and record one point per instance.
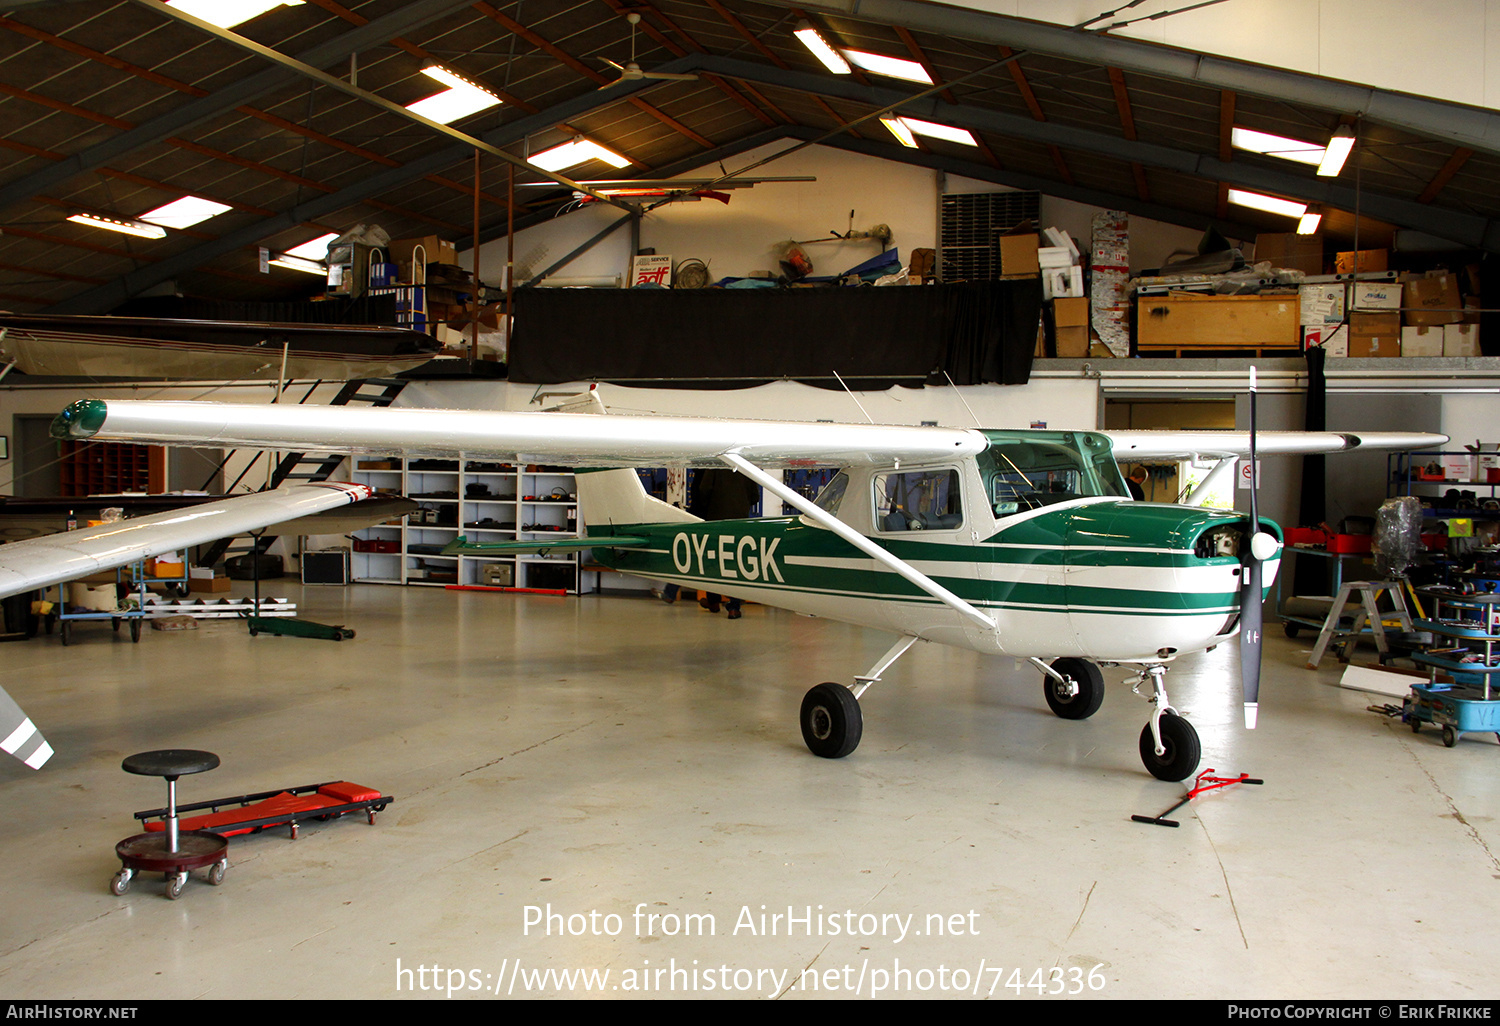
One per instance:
(170, 763)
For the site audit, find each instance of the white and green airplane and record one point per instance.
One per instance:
(1014, 543)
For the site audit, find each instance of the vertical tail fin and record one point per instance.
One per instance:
(613, 497)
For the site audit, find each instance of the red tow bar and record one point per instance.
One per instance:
(1202, 782)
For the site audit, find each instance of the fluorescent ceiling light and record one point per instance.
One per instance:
(1276, 145)
(1337, 152)
(575, 152)
(1308, 224)
(936, 131)
(1270, 204)
(459, 100)
(298, 264)
(891, 67)
(145, 231)
(229, 13)
(184, 213)
(820, 49)
(900, 131)
(317, 249)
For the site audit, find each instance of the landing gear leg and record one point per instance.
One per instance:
(1170, 748)
(832, 723)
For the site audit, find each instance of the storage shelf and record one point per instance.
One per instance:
(506, 504)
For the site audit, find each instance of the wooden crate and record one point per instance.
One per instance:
(1183, 322)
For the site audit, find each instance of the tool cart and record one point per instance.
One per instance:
(1465, 629)
(131, 610)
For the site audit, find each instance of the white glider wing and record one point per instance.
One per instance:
(1186, 445)
(40, 562)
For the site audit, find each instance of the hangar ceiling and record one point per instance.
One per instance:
(115, 107)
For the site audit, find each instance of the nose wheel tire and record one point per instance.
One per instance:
(831, 721)
(1182, 749)
(1081, 697)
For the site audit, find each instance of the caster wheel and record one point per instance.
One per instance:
(175, 882)
(1182, 749)
(1450, 736)
(135, 629)
(831, 721)
(1079, 699)
(1290, 629)
(121, 882)
(216, 872)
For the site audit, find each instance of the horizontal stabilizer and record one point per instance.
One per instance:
(460, 546)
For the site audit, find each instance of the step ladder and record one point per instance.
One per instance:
(303, 466)
(1367, 619)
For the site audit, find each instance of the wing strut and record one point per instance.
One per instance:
(856, 539)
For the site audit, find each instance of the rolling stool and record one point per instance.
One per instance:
(169, 851)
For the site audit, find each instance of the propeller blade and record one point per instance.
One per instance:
(1250, 595)
(1250, 640)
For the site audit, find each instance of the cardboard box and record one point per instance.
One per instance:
(437, 251)
(1320, 305)
(1187, 321)
(1018, 255)
(1334, 339)
(1288, 249)
(208, 585)
(1433, 300)
(1071, 312)
(1461, 340)
(1420, 341)
(1370, 296)
(1375, 334)
(1369, 260)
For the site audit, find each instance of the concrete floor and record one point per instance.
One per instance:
(597, 756)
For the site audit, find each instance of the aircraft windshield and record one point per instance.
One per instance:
(1027, 470)
(832, 494)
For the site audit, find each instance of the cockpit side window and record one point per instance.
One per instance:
(918, 500)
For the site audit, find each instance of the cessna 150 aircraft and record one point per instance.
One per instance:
(1015, 543)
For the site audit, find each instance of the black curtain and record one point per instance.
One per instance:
(735, 338)
(1311, 577)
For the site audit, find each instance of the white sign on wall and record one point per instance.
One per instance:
(651, 270)
(1242, 471)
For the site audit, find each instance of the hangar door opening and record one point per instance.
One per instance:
(1171, 481)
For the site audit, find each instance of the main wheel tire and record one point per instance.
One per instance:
(1090, 682)
(831, 721)
(1183, 750)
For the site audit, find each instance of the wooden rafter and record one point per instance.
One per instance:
(1127, 126)
(1456, 160)
(1028, 95)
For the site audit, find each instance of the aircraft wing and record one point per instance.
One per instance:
(40, 562)
(1185, 445)
(562, 439)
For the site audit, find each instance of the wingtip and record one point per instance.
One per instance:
(1252, 713)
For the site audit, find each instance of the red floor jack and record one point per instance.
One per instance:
(1202, 782)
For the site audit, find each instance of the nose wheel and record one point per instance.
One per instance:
(1170, 748)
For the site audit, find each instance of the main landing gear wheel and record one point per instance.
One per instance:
(1182, 749)
(831, 721)
(1080, 697)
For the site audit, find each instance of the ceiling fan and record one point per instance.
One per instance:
(631, 72)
